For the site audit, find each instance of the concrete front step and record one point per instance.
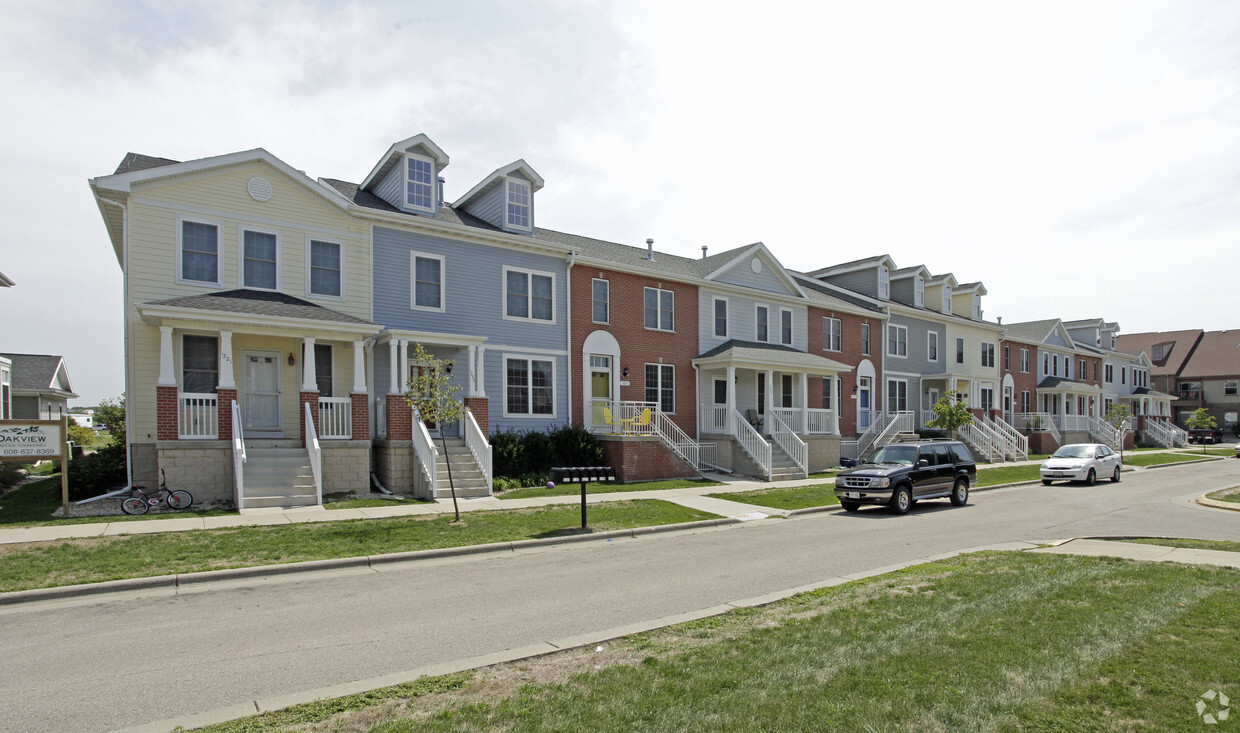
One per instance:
(280, 500)
(278, 474)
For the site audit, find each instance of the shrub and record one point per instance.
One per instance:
(528, 457)
(10, 474)
(507, 453)
(97, 472)
(576, 446)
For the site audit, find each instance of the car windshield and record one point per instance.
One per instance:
(1074, 451)
(901, 454)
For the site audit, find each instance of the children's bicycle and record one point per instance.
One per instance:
(141, 502)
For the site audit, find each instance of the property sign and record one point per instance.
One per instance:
(36, 440)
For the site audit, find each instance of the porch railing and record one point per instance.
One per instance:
(879, 423)
(752, 443)
(1018, 442)
(1106, 433)
(713, 419)
(645, 418)
(1073, 423)
(786, 439)
(316, 455)
(819, 420)
(1037, 422)
(336, 418)
(978, 437)
(197, 416)
(238, 451)
(424, 453)
(822, 422)
(476, 442)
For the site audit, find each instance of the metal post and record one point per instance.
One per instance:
(583, 504)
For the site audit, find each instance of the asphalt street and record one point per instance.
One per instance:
(109, 662)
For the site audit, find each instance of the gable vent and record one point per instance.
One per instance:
(260, 189)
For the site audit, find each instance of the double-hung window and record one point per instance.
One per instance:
(897, 395)
(1123, 375)
(322, 368)
(1025, 401)
(785, 391)
(661, 386)
(826, 392)
(518, 204)
(832, 334)
(529, 387)
(420, 184)
(1024, 361)
(600, 300)
(659, 306)
(528, 295)
(200, 364)
(988, 354)
(325, 269)
(1229, 386)
(1109, 372)
(884, 283)
(932, 345)
(721, 318)
(427, 282)
(763, 323)
(785, 327)
(897, 340)
(200, 252)
(919, 291)
(865, 339)
(959, 350)
(258, 262)
(946, 306)
(1007, 357)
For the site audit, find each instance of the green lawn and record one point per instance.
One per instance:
(595, 488)
(986, 642)
(1157, 459)
(1005, 475)
(91, 560)
(338, 501)
(1232, 495)
(826, 474)
(1189, 544)
(792, 497)
(34, 503)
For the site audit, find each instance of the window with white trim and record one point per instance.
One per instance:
(1025, 401)
(1156, 353)
(326, 269)
(977, 307)
(988, 398)
(420, 183)
(1024, 360)
(528, 295)
(865, 339)
(427, 277)
(721, 318)
(884, 283)
(1109, 372)
(785, 391)
(600, 300)
(529, 386)
(959, 350)
(721, 391)
(897, 395)
(1123, 375)
(762, 318)
(932, 345)
(832, 334)
(919, 291)
(897, 340)
(200, 252)
(1054, 365)
(1229, 386)
(659, 306)
(661, 386)
(259, 254)
(826, 392)
(946, 306)
(200, 364)
(323, 373)
(785, 327)
(1007, 357)
(988, 354)
(518, 204)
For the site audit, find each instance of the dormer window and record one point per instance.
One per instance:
(884, 283)
(420, 184)
(518, 204)
(977, 307)
(947, 300)
(919, 292)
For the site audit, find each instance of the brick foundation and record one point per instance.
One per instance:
(399, 418)
(223, 401)
(312, 399)
(361, 415)
(1042, 443)
(642, 459)
(480, 407)
(166, 413)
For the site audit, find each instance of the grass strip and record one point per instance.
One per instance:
(1229, 495)
(595, 488)
(1158, 459)
(992, 641)
(1005, 475)
(96, 559)
(33, 504)
(792, 497)
(1190, 544)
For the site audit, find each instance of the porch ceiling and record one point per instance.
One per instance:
(759, 356)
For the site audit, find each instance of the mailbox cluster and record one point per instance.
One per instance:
(583, 474)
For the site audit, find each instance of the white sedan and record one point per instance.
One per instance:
(1081, 462)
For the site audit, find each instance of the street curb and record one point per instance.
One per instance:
(173, 582)
(1216, 504)
(1207, 459)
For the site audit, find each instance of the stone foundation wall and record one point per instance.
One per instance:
(144, 464)
(346, 465)
(201, 467)
(393, 463)
(824, 452)
(642, 458)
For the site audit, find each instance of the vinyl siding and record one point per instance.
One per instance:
(862, 281)
(1055, 339)
(918, 341)
(973, 338)
(742, 321)
(489, 205)
(742, 274)
(392, 188)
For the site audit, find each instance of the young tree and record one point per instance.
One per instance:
(949, 415)
(1201, 420)
(435, 399)
(112, 414)
(1117, 417)
(80, 435)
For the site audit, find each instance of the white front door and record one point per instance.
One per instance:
(863, 403)
(261, 384)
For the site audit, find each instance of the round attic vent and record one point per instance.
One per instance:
(259, 188)
(756, 265)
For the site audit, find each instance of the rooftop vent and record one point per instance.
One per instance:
(649, 248)
(703, 251)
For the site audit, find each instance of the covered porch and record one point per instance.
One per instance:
(980, 395)
(1072, 406)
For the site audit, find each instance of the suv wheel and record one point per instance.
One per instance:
(850, 506)
(960, 492)
(902, 501)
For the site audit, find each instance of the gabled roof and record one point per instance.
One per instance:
(1217, 355)
(1178, 347)
(40, 373)
(1033, 332)
(517, 166)
(745, 253)
(975, 287)
(5, 282)
(139, 162)
(355, 194)
(758, 355)
(861, 264)
(1086, 323)
(824, 294)
(904, 272)
(397, 152)
(946, 276)
(1059, 384)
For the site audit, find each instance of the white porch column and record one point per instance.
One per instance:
(836, 400)
(403, 366)
(771, 391)
(480, 374)
(167, 369)
(392, 373)
(730, 420)
(359, 367)
(308, 382)
(804, 403)
(228, 379)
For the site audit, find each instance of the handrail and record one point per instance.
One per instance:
(886, 434)
(424, 450)
(678, 440)
(976, 438)
(752, 442)
(1108, 434)
(476, 442)
(999, 442)
(796, 448)
(238, 450)
(1018, 441)
(316, 454)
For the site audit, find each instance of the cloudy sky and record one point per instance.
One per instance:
(1079, 158)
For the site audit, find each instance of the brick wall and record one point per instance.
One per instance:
(1021, 381)
(223, 400)
(312, 399)
(643, 459)
(399, 418)
(166, 413)
(850, 354)
(480, 407)
(361, 415)
(638, 345)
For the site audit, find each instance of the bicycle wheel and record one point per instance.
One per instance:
(134, 505)
(179, 500)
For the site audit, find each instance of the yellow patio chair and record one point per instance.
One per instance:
(642, 420)
(608, 419)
